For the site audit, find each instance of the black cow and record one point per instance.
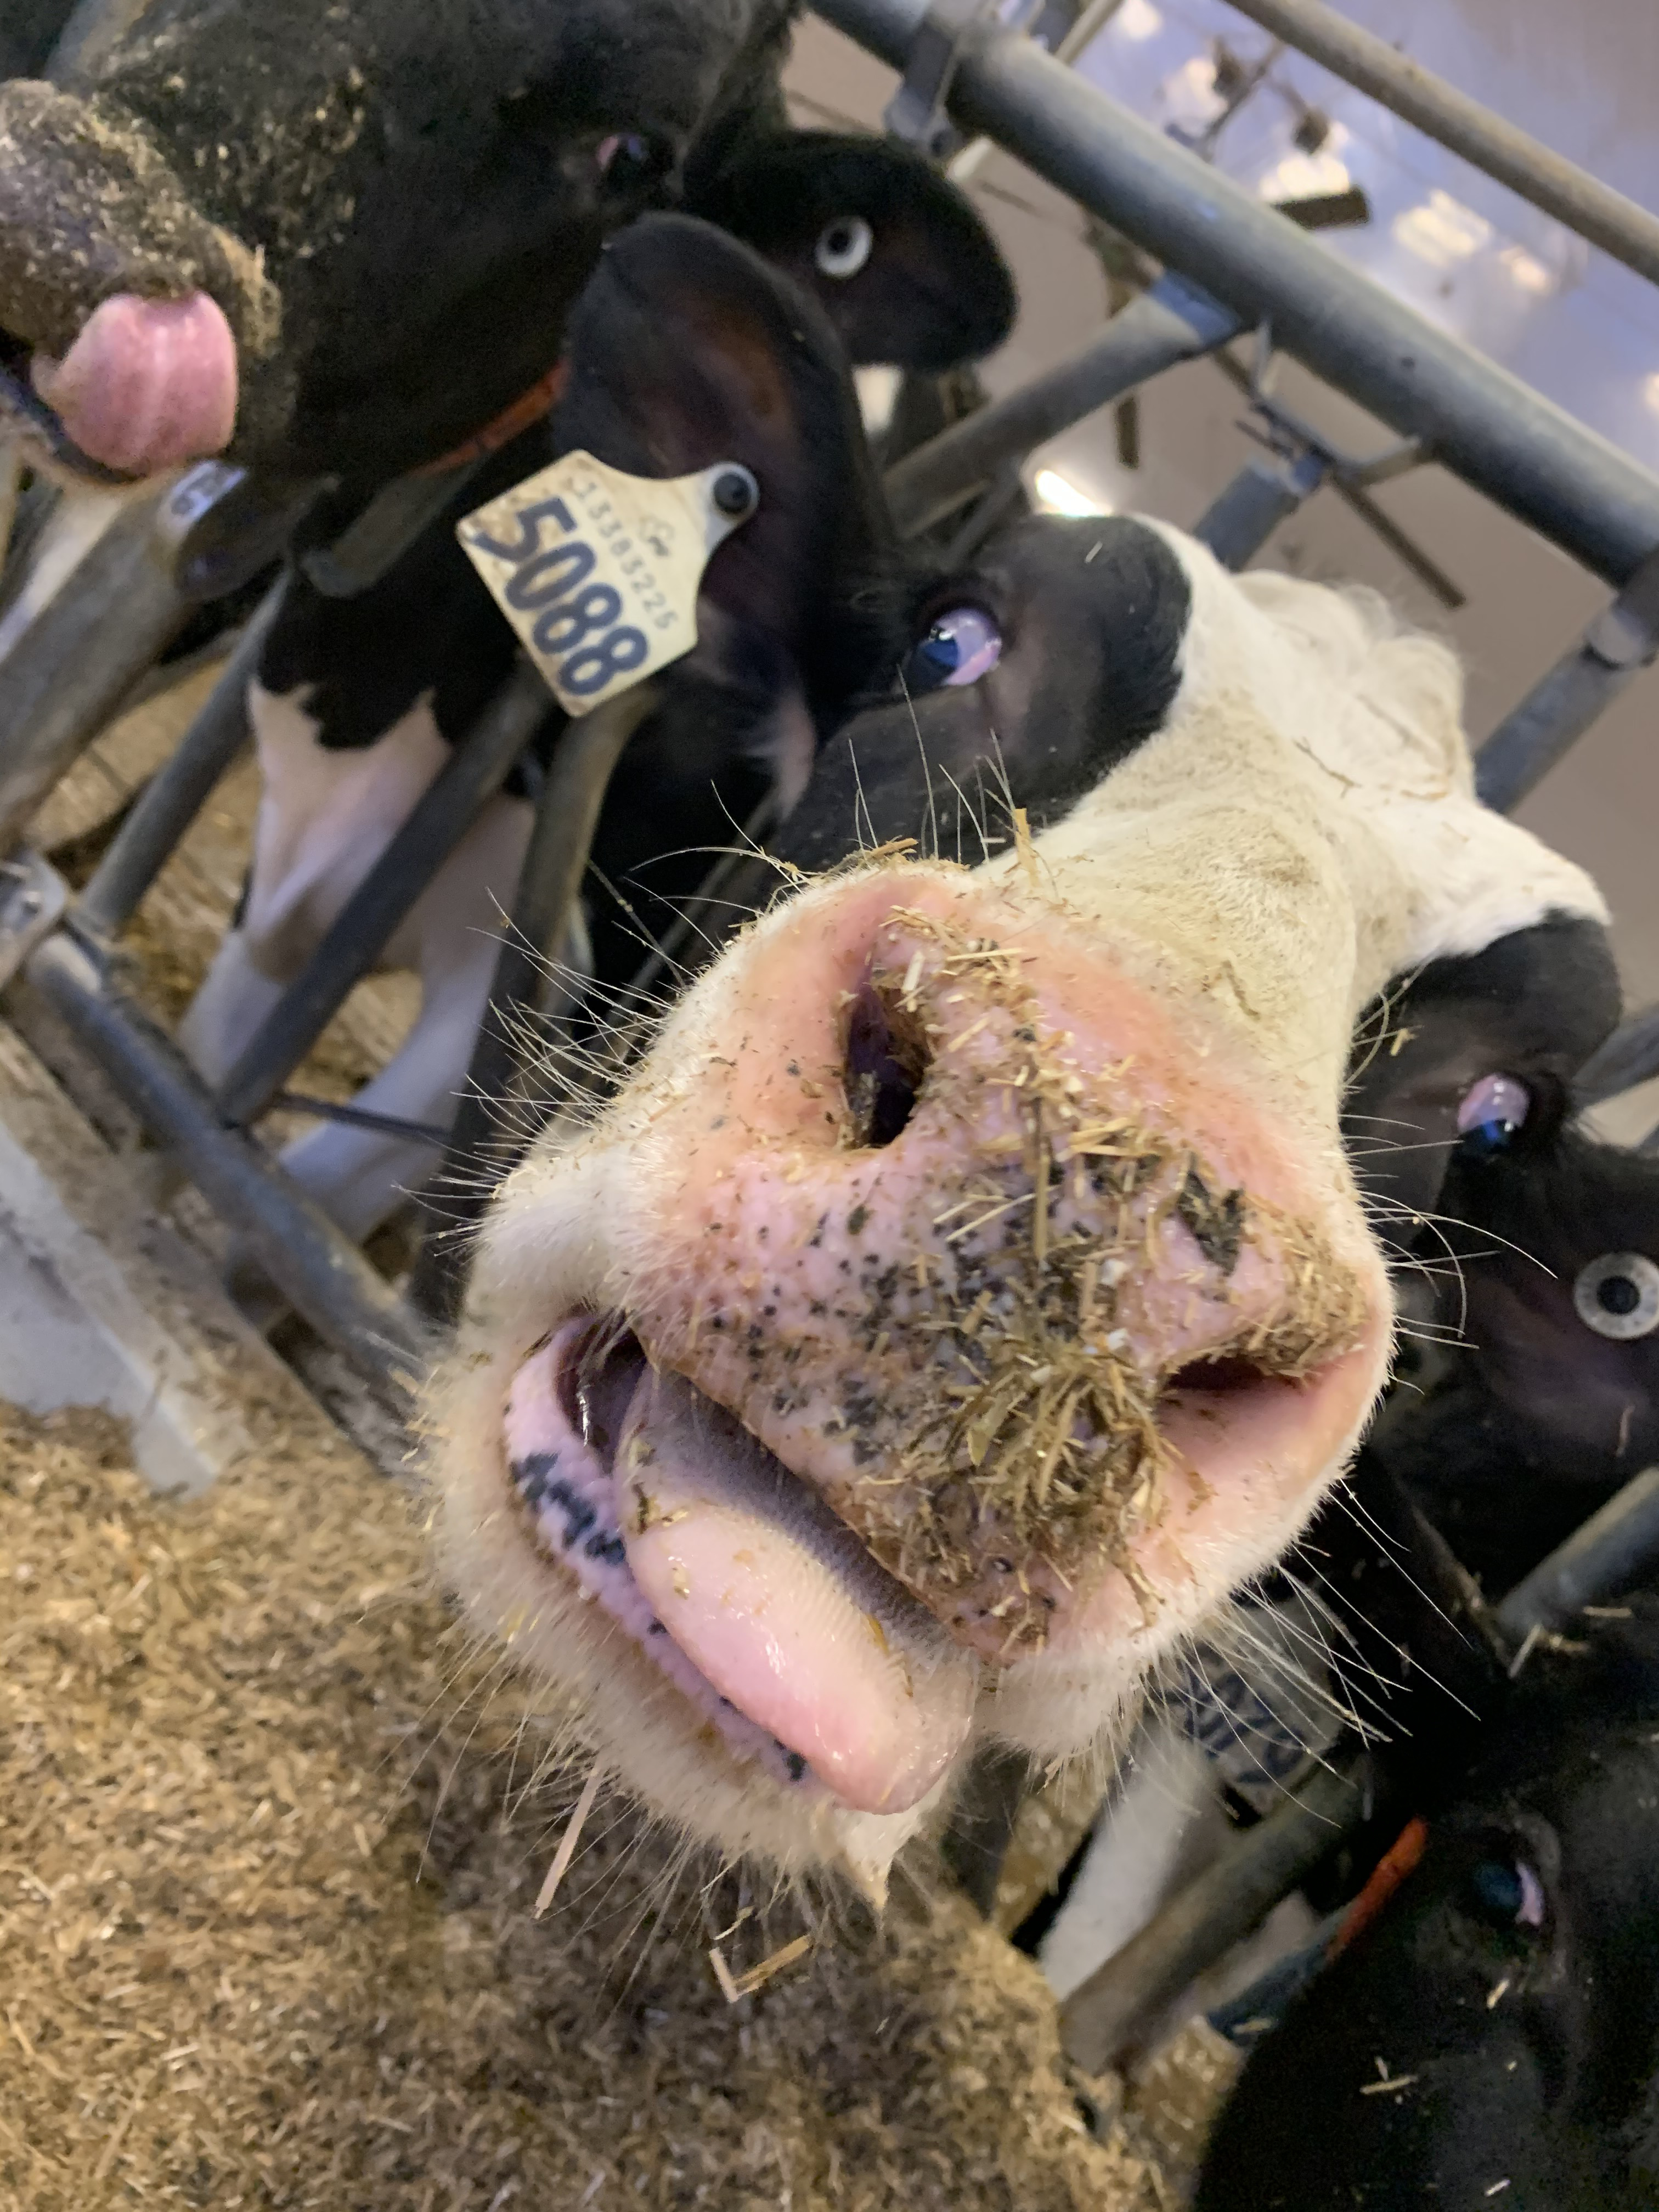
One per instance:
(1541, 1396)
(1491, 2035)
(354, 231)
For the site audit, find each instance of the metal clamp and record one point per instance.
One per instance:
(916, 112)
(1625, 634)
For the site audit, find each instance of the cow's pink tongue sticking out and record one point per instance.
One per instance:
(148, 385)
(780, 1607)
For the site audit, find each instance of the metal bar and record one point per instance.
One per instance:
(1630, 1057)
(550, 885)
(1546, 726)
(1264, 494)
(1172, 322)
(79, 657)
(1109, 2014)
(370, 917)
(327, 1281)
(1622, 641)
(1543, 178)
(176, 795)
(964, 166)
(1528, 456)
(358, 1117)
(1612, 1550)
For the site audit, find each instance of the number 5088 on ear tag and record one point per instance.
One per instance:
(597, 572)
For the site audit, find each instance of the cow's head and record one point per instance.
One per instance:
(971, 1285)
(342, 240)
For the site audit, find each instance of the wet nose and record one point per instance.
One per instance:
(969, 1234)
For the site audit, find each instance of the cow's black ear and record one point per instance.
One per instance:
(898, 255)
(1527, 1012)
(688, 349)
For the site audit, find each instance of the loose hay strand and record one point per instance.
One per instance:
(568, 1842)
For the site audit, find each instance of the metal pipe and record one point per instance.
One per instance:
(1622, 641)
(1172, 322)
(326, 1280)
(1110, 2013)
(549, 886)
(1543, 729)
(372, 915)
(1543, 178)
(964, 166)
(80, 657)
(176, 795)
(1612, 1550)
(1630, 1057)
(1528, 456)
(1246, 512)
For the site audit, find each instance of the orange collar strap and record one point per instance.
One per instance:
(541, 399)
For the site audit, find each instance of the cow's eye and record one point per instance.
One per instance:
(1493, 1113)
(843, 247)
(1507, 1894)
(1618, 1295)
(628, 161)
(961, 645)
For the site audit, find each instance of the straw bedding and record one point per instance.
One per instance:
(267, 1867)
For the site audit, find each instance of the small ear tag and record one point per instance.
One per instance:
(597, 572)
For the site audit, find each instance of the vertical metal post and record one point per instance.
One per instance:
(1247, 511)
(1622, 641)
(70, 671)
(350, 951)
(156, 827)
(550, 885)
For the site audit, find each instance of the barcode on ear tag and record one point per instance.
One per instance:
(597, 572)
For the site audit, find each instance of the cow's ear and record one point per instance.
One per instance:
(896, 254)
(1526, 1012)
(688, 349)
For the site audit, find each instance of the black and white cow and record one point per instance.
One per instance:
(1490, 2031)
(341, 239)
(358, 700)
(1542, 1398)
(970, 1286)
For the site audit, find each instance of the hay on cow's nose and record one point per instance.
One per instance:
(1043, 1436)
(267, 1872)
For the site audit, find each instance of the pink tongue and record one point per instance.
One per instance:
(782, 1609)
(148, 385)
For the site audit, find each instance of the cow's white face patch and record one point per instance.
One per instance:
(1002, 1212)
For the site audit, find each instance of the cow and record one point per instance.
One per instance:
(1489, 2029)
(968, 1287)
(1538, 1396)
(341, 241)
(357, 701)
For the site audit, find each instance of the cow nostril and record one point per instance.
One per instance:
(1218, 1378)
(884, 1064)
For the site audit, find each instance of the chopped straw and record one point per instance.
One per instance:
(567, 1843)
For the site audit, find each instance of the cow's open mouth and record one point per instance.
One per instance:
(762, 1608)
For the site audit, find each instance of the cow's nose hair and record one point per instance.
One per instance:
(886, 1057)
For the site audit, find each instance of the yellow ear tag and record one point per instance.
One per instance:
(597, 572)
